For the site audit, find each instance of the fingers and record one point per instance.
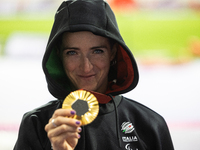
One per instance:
(53, 123)
(60, 117)
(64, 113)
(62, 129)
(64, 136)
(65, 131)
(63, 124)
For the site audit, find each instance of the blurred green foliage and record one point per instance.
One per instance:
(167, 34)
(9, 26)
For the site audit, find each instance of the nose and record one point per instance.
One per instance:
(86, 64)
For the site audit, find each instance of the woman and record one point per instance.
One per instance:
(86, 51)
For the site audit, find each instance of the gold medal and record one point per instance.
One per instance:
(84, 103)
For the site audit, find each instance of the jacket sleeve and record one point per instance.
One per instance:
(156, 134)
(150, 127)
(163, 137)
(32, 135)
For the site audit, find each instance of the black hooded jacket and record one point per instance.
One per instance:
(122, 124)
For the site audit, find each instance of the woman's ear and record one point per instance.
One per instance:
(114, 51)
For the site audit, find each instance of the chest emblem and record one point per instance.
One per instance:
(127, 127)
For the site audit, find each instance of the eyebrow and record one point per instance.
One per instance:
(76, 48)
(72, 48)
(101, 46)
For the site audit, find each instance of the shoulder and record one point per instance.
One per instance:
(42, 113)
(32, 127)
(141, 111)
(148, 124)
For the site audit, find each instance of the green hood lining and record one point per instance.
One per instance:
(56, 71)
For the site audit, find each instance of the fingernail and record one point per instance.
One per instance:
(77, 122)
(79, 136)
(79, 129)
(72, 112)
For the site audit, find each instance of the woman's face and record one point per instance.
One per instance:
(86, 60)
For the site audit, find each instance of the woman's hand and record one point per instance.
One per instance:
(62, 130)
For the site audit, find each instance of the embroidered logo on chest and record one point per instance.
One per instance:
(127, 127)
(131, 140)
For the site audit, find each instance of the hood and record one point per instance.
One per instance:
(97, 17)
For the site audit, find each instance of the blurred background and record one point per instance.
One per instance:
(164, 36)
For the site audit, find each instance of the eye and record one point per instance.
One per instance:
(98, 51)
(71, 53)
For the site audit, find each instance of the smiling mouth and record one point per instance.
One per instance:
(86, 77)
